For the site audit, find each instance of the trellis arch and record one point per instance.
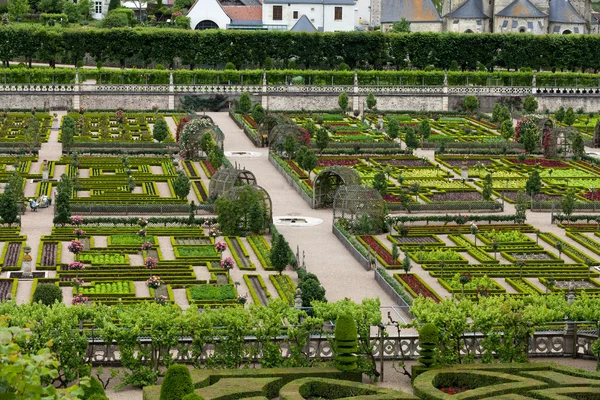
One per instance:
(234, 194)
(597, 134)
(269, 122)
(329, 181)
(226, 179)
(216, 132)
(278, 134)
(352, 202)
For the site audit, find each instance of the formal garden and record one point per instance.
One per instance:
(158, 255)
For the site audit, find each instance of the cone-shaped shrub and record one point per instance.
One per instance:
(428, 341)
(177, 383)
(346, 343)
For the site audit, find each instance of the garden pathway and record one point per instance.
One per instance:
(341, 275)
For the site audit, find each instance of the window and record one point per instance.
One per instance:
(295, 15)
(277, 13)
(337, 14)
(98, 7)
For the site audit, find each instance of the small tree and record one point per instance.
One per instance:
(454, 66)
(160, 131)
(570, 117)
(530, 140)
(268, 64)
(181, 185)
(177, 383)
(379, 183)
(256, 215)
(114, 4)
(521, 205)
(343, 101)
(64, 191)
(559, 115)
(470, 103)
(245, 103)
(504, 114)
(424, 129)
(215, 157)
(322, 139)
(11, 198)
(534, 184)
(32, 134)
(290, 145)
(530, 104)
(578, 145)
(496, 112)
(406, 265)
(258, 113)
(411, 139)
(567, 204)
(393, 128)
(488, 187)
(507, 130)
(47, 294)
(18, 8)
(403, 26)
(279, 255)
(309, 161)
(371, 102)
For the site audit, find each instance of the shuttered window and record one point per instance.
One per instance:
(277, 13)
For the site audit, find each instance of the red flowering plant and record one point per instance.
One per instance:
(79, 233)
(75, 266)
(147, 246)
(79, 299)
(452, 390)
(227, 263)
(75, 247)
(76, 220)
(141, 233)
(162, 300)
(220, 246)
(180, 127)
(154, 282)
(150, 263)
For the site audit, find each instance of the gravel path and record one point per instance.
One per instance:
(166, 249)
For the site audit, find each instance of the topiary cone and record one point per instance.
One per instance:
(345, 343)
(177, 383)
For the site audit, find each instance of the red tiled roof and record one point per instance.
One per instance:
(244, 13)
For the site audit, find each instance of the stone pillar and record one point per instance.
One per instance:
(445, 92)
(533, 85)
(45, 170)
(355, 97)
(76, 100)
(171, 105)
(26, 265)
(264, 98)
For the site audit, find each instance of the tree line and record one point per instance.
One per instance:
(362, 50)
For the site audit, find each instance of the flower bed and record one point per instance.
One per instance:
(107, 288)
(213, 292)
(262, 250)
(416, 287)
(284, 286)
(104, 258)
(382, 253)
(206, 251)
(129, 239)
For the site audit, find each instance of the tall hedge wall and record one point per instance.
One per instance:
(361, 50)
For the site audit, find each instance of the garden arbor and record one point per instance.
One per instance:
(228, 178)
(597, 134)
(235, 193)
(353, 202)
(329, 181)
(278, 134)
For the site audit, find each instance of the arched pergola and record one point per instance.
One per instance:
(228, 178)
(597, 134)
(234, 194)
(353, 202)
(216, 133)
(329, 181)
(278, 134)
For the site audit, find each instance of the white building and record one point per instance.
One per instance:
(208, 14)
(325, 15)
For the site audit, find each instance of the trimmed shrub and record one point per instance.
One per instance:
(47, 294)
(346, 343)
(177, 383)
(192, 396)
(97, 396)
(428, 339)
(94, 390)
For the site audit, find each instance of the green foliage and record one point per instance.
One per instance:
(534, 183)
(371, 101)
(312, 290)
(578, 145)
(428, 342)
(11, 198)
(183, 22)
(496, 112)
(470, 103)
(97, 396)
(343, 67)
(234, 216)
(71, 10)
(18, 8)
(160, 131)
(115, 19)
(213, 292)
(411, 139)
(322, 139)
(504, 114)
(279, 255)
(393, 128)
(230, 66)
(345, 343)
(114, 4)
(181, 185)
(258, 113)
(567, 204)
(403, 26)
(530, 104)
(507, 130)
(245, 103)
(343, 101)
(379, 183)
(406, 266)
(190, 142)
(530, 140)
(192, 396)
(488, 187)
(94, 389)
(570, 117)
(560, 114)
(47, 294)
(424, 129)
(177, 383)
(454, 66)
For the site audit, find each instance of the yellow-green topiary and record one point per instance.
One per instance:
(345, 343)
(177, 383)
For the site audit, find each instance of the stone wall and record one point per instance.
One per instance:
(410, 102)
(53, 101)
(307, 102)
(553, 102)
(124, 100)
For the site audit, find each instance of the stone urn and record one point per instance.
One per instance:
(26, 265)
